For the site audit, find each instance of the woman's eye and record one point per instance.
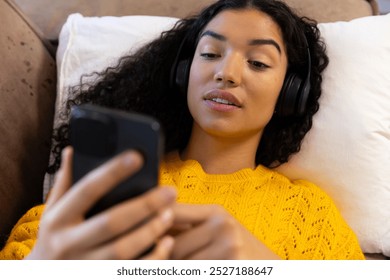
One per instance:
(209, 55)
(258, 64)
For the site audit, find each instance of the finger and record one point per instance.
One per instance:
(186, 214)
(88, 190)
(177, 229)
(189, 242)
(216, 251)
(232, 247)
(163, 249)
(133, 244)
(122, 218)
(63, 179)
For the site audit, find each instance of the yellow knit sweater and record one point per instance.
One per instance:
(294, 219)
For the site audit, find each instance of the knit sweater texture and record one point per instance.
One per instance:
(296, 220)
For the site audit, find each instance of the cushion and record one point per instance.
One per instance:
(329, 11)
(347, 152)
(28, 89)
(50, 15)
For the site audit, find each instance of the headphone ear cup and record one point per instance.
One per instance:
(303, 97)
(182, 75)
(288, 95)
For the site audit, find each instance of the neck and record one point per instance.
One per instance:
(221, 155)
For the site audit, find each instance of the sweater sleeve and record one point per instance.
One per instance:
(23, 235)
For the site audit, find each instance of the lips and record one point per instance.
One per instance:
(223, 97)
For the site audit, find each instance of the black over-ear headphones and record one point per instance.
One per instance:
(292, 98)
(295, 91)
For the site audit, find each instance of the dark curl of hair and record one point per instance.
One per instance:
(141, 82)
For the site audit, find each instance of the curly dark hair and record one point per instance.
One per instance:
(141, 82)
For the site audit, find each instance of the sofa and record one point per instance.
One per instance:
(28, 80)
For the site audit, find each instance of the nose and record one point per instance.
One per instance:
(229, 70)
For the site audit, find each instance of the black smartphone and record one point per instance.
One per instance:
(98, 134)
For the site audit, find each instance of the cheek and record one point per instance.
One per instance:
(266, 95)
(194, 82)
(196, 76)
(197, 80)
(271, 91)
(277, 87)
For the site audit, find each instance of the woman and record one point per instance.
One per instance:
(235, 99)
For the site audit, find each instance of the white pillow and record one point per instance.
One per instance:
(347, 152)
(89, 44)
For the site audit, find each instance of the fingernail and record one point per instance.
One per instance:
(167, 216)
(167, 242)
(131, 158)
(168, 192)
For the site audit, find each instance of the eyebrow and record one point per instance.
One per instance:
(254, 42)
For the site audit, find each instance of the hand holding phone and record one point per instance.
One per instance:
(97, 134)
(108, 235)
